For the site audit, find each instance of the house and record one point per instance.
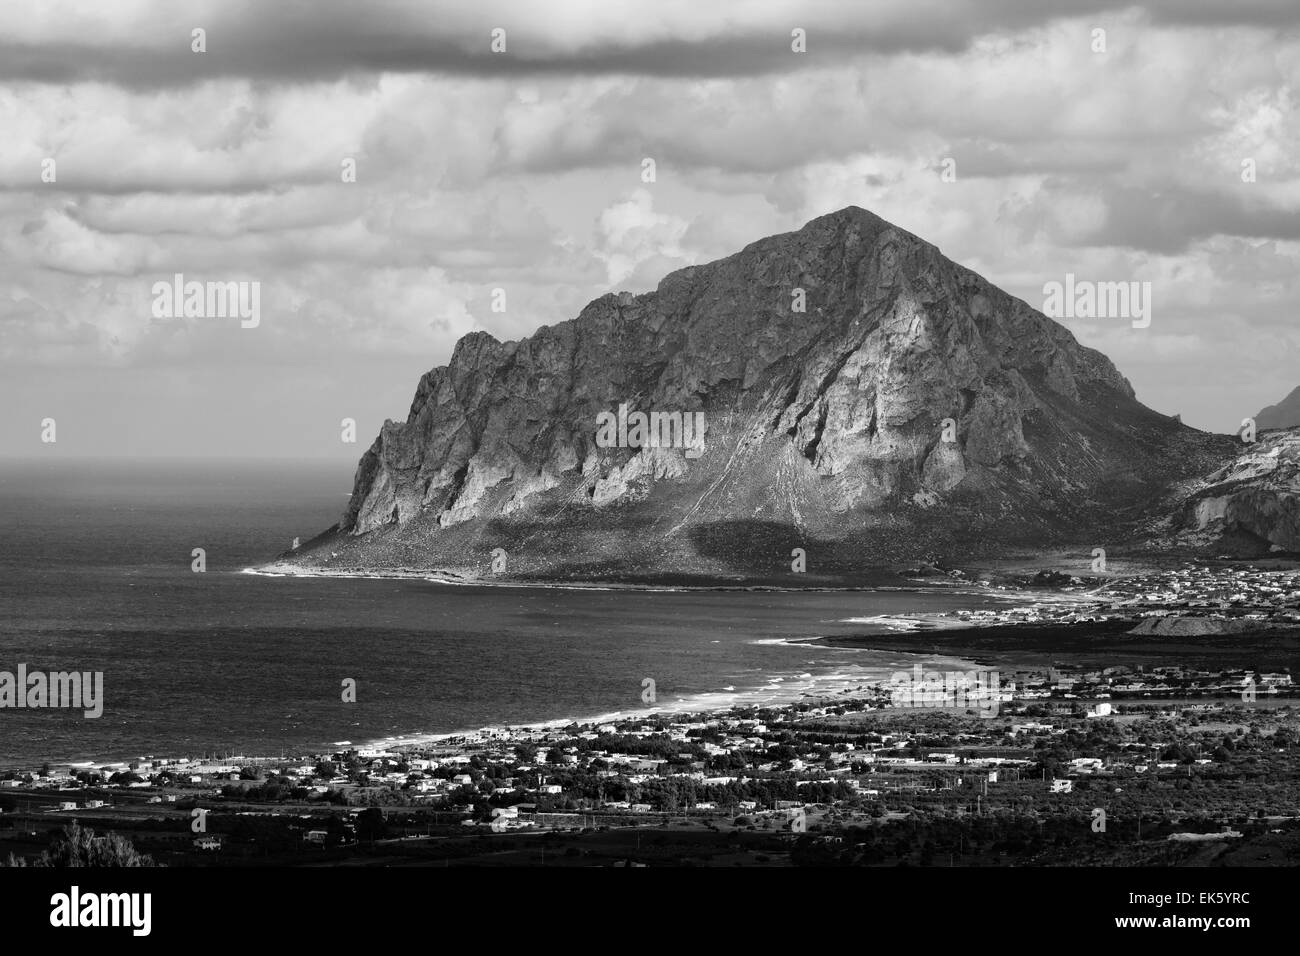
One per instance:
(644, 766)
(315, 836)
(210, 842)
(1029, 727)
(1062, 786)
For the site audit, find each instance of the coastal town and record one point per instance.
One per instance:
(1222, 598)
(1204, 759)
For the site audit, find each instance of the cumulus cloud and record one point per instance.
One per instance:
(631, 235)
(521, 171)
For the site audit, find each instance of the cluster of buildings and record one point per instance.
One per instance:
(746, 762)
(708, 761)
(1198, 587)
(1239, 593)
(1169, 681)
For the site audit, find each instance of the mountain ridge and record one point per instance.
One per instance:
(1285, 414)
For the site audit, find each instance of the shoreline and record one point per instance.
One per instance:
(436, 577)
(783, 690)
(1035, 628)
(914, 585)
(841, 683)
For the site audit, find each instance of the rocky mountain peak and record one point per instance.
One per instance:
(852, 386)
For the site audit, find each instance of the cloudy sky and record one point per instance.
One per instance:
(521, 170)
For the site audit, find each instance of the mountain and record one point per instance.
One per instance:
(911, 407)
(1285, 414)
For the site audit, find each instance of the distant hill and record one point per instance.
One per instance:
(1285, 414)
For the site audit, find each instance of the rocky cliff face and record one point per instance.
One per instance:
(909, 406)
(1248, 507)
(1285, 414)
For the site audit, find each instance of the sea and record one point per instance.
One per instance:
(97, 575)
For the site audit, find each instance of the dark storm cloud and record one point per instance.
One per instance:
(1170, 220)
(294, 42)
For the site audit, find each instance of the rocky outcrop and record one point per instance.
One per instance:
(863, 397)
(1183, 625)
(1285, 414)
(1250, 505)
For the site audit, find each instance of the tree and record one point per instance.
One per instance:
(371, 825)
(75, 846)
